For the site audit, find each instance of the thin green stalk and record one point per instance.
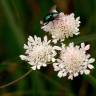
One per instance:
(20, 78)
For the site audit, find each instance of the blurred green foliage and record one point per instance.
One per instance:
(21, 18)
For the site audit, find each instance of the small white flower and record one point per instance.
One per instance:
(38, 53)
(62, 27)
(73, 61)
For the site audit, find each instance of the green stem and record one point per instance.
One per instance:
(20, 78)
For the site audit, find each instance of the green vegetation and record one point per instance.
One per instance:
(21, 18)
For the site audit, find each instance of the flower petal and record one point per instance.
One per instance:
(91, 60)
(90, 66)
(60, 74)
(87, 72)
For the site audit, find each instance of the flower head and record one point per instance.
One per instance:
(63, 26)
(38, 53)
(73, 61)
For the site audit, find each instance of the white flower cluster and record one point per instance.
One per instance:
(39, 53)
(73, 60)
(70, 60)
(63, 27)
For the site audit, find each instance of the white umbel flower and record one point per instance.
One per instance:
(39, 53)
(73, 61)
(63, 26)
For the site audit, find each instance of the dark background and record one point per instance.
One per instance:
(21, 18)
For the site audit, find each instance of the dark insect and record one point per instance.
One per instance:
(51, 15)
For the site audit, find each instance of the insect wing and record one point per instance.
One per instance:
(53, 9)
